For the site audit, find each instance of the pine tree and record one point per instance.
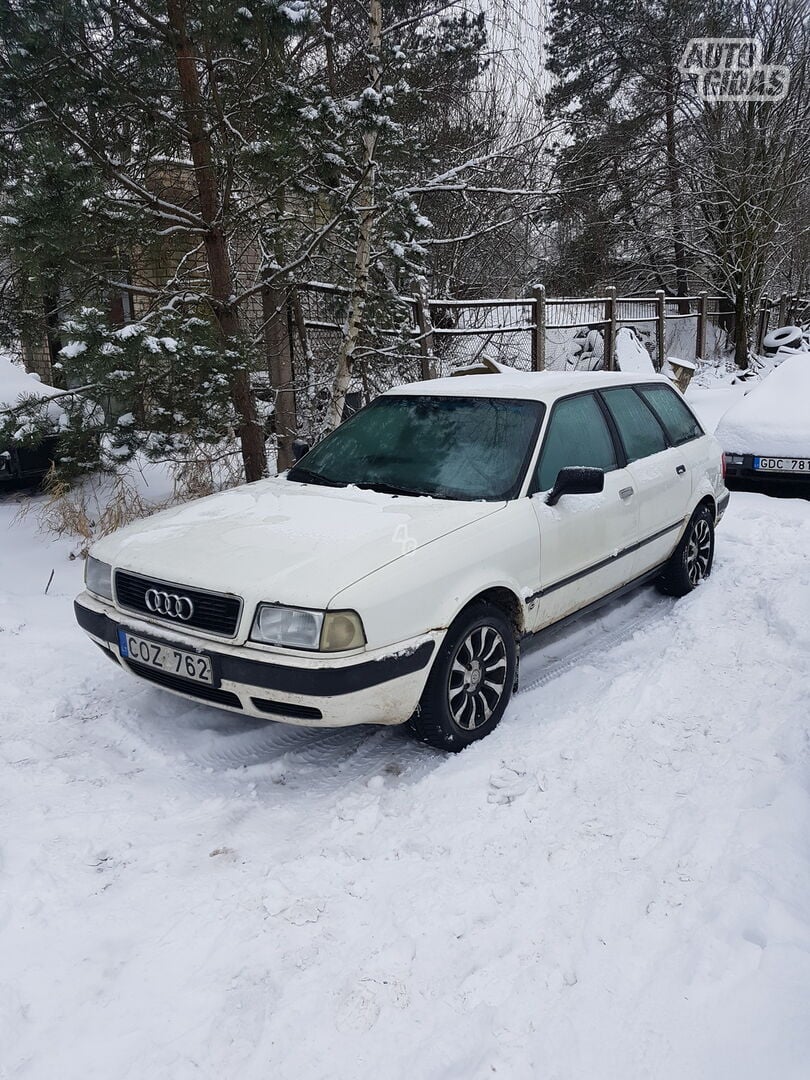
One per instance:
(151, 98)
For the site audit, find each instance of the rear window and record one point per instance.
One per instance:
(640, 431)
(679, 423)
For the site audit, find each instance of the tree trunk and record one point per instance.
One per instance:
(740, 329)
(216, 246)
(54, 336)
(278, 344)
(365, 230)
(674, 189)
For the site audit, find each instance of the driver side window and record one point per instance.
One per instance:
(577, 435)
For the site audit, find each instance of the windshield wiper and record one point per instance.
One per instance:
(368, 485)
(306, 476)
(383, 488)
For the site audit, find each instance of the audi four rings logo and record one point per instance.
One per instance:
(169, 604)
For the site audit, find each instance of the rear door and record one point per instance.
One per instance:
(583, 538)
(660, 474)
(683, 430)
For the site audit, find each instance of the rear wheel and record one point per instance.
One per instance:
(692, 559)
(471, 681)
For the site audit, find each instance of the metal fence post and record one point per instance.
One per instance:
(660, 326)
(539, 331)
(783, 308)
(702, 323)
(610, 329)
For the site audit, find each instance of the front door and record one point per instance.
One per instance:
(583, 537)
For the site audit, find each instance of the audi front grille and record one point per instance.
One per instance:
(178, 605)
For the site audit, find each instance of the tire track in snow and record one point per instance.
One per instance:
(321, 760)
(327, 759)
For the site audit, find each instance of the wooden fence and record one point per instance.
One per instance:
(534, 331)
(611, 312)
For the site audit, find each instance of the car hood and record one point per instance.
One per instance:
(285, 542)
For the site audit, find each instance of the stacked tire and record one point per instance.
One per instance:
(785, 337)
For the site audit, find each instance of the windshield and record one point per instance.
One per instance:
(448, 447)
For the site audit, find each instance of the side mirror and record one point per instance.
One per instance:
(576, 480)
(299, 448)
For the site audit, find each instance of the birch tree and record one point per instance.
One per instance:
(366, 212)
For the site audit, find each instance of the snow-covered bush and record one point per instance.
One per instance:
(164, 382)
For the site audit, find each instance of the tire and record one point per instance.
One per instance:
(692, 559)
(471, 681)
(785, 337)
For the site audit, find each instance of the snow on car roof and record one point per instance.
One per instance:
(774, 417)
(534, 385)
(16, 382)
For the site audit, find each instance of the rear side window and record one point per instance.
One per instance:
(577, 435)
(679, 424)
(641, 433)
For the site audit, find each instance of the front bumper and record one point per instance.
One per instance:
(382, 688)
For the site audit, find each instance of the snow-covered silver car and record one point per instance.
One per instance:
(392, 574)
(766, 434)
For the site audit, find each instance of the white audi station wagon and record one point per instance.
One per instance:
(392, 574)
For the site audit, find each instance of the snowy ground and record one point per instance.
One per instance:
(613, 885)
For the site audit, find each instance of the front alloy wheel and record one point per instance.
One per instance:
(477, 678)
(471, 681)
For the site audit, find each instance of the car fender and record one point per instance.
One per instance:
(710, 483)
(703, 490)
(426, 589)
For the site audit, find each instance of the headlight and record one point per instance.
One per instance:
(98, 577)
(299, 628)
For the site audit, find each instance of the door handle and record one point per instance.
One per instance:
(681, 469)
(625, 493)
